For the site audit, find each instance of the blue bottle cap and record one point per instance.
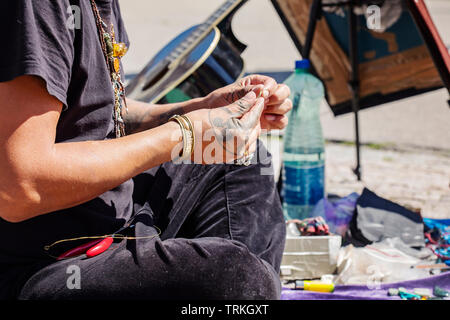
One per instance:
(302, 64)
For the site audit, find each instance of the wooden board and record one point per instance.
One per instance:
(393, 64)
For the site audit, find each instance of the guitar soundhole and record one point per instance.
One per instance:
(156, 78)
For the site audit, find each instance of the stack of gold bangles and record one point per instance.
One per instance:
(187, 129)
(246, 160)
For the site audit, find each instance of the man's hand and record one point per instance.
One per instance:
(229, 132)
(277, 102)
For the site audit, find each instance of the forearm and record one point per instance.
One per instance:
(68, 174)
(142, 116)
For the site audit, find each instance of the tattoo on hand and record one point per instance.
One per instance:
(163, 118)
(149, 118)
(238, 92)
(227, 125)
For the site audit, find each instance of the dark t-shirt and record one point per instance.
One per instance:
(38, 39)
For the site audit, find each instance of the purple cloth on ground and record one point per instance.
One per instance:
(337, 213)
(362, 292)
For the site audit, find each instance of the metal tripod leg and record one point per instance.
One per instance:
(314, 15)
(354, 81)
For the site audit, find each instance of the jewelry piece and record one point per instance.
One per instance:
(83, 249)
(189, 131)
(191, 128)
(245, 160)
(184, 137)
(188, 136)
(113, 52)
(248, 160)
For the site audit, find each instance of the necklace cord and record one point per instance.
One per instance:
(114, 236)
(111, 61)
(119, 92)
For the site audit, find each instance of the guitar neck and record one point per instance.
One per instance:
(221, 13)
(203, 30)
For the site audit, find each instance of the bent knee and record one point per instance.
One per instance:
(242, 275)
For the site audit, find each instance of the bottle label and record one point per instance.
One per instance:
(296, 101)
(303, 185)
(302, 159)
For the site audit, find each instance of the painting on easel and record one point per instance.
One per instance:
(405, 59)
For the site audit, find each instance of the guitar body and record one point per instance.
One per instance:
(214, 62)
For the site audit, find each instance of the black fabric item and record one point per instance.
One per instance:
(353, 235)
(376, 219)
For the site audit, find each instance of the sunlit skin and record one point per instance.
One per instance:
(39, 176)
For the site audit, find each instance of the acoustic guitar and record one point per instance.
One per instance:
(198, 61)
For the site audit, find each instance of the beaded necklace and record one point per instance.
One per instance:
(113, 52)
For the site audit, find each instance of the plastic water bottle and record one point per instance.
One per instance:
(304, 148)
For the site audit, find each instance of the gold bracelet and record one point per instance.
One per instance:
(189, 137)
(191, 128)
(183, 134)
(187, 134)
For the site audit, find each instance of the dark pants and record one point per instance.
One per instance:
(222, 237)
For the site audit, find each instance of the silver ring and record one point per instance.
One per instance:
(245, 161)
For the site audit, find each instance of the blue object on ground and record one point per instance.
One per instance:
(437, 234)
(337, 213)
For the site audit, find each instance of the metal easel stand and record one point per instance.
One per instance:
(316, 14)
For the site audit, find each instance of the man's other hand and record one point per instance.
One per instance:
(276, 97)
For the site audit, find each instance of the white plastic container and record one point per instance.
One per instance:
(309, 257)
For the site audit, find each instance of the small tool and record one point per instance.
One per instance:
(445, 265)
(423, 292)
(405, 295)
(392, 292)
(439, 292)
(316, 286)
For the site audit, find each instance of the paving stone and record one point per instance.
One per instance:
(417, 179)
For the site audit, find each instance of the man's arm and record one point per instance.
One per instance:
(38, 176)
(143, 116)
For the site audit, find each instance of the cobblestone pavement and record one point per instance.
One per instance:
(416, 179)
